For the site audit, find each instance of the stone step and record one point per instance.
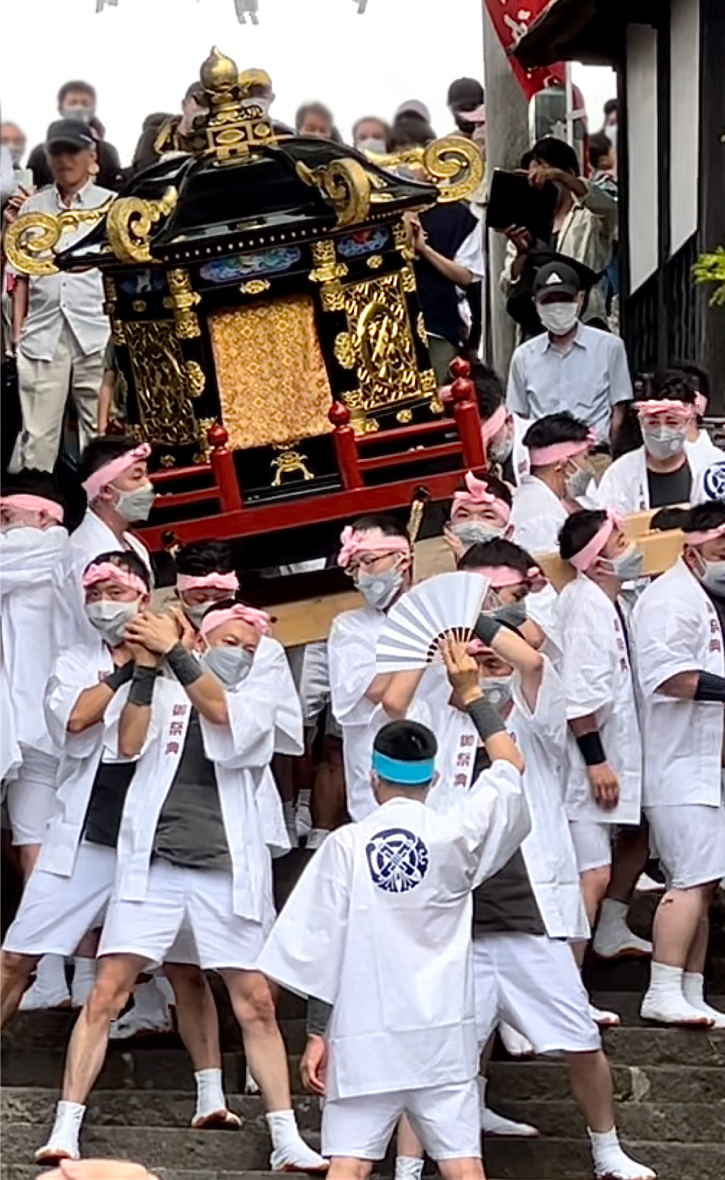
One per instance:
(648, 1119)
(540, 1080)
(28, 1172)
(570, 1159)
(632, 975)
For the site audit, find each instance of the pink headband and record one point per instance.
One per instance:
(665, 405)
(543, 456)
(586, 556)
(106, 474)
(493, 424)
(501, 576)
(259, 619)
(106, 571)
(700, 403)
(478, 493)
(211, 581)
(26, 502)
(372, 541)
(707, 535)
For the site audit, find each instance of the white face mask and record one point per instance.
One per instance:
(137, 504)
(379, 590)
(377, 147)
(475, 532)
(111, 619)
(558, 318)
(578, 482)
(195, 613)
(497, 690)
(500, 451)
(77, 112)
(230, 665)
(664, 442)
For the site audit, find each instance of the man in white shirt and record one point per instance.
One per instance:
(558, 483)
(60, 326)
(571, 366)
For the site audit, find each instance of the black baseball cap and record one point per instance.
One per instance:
(72, 133)
(556, 276)
(465, 94)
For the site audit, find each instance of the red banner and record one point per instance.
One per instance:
(511, 19)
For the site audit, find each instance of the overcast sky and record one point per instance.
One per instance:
(142, 54)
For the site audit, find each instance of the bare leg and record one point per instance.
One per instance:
(591, 1083)
(196, 1014)
(462, 1169)
(328, 791)
(345, 1168)
(27, 855)
(676, 924)
(594, 884)
(613, 936)
(89, 1039)
(15, 972)
(697, 953)
(630, 857)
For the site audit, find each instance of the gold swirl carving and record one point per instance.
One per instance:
(195, 378)
(456, 166)
(255, 286)
(157, 364)
(345, 350)
(428, 382)
(129, 221)
(32, 241)
(326, 266)
(203, 426)
(404, 416)
(375, 261)
(345, 183)
(421, 329)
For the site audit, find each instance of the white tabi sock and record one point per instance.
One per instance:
(84, 977)
(290, 822)
(65, 1136)
(613, 935)
(209, 1092)
(612, 1162)
(693, 989)
(665, 999)
(408, 1167)
(496, 1124)
(50, 988)
(148, 1000)
(289, 1148)
(665, 980)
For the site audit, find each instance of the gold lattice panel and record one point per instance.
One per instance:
(272, 381)
(379, 343)
(167, 415)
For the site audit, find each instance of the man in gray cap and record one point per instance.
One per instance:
(570, 366)
(59, 325)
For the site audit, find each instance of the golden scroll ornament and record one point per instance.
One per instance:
(345, 184)
(129, 221)
(32, 241)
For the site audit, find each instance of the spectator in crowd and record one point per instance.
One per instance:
(698, 378)
(411, 125)
(611, 120)
(13, 138)
(603, 164)
(449, 256)
(583, 228)
(572, 366)
(371, 134)
(313, 118)
(465, 102)
(77, 101)
(60, 327)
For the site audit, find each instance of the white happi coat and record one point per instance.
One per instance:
(379, 926)
(624, 485)
(597, 677)
(74, 670)
(29, 563)
(675, 628)
(548, 850)
(351, 653)
(520, 455)
(91, 538)
(264, 716)
(537, 515)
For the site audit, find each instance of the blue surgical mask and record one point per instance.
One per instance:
(230, 665)
(627, 566)
(713, 577)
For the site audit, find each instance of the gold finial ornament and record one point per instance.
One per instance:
(250, 78)
(129, 221)
(219, 72)
(235, 122)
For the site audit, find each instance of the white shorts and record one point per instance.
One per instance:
(531, 982)
(445, 1119)
(30, 797)
(177, 900)
(689, 840)
(56, 912)
(592, 843)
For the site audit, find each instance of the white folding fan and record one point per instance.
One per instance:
(446, 603)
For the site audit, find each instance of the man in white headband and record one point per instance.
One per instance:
(502, 430)
(480, 511)
(560, 480)
(677, 628)
(376, 553)
(116, 482)
(192, 851)
(663, 470)
(604, 747)
(204, 575)
(73, 879)
(33, 554)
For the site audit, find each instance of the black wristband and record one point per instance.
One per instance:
(119, 676)
(318, 1017)
(487, 628)
(141, 691)
(710, 687)
(485, 718)
(182, 663)
(591, 748)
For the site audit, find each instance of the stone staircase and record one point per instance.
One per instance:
(670, 1087)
